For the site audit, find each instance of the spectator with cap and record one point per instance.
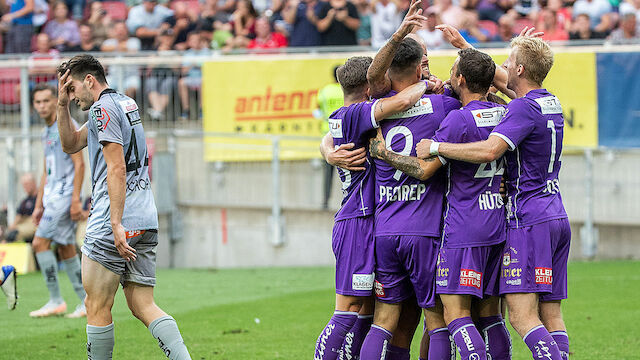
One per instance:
(146, 21)
(19, 21)
(386, 16)
(62, 31)
(301, 16)
(338, 22)
(582, 29)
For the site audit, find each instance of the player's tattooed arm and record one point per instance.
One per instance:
(379, 82)
(421, 169)
(343, 156)
(478, 152)
(399, 102)
(72, 140)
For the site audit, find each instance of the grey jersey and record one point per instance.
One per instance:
(114, 118)
(58, 166)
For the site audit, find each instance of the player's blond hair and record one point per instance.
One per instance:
(536, 57)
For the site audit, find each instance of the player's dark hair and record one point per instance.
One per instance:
(81, 65)
(352, 76)
(407, 57)
(335, 72)
(477, 68)
(43, 87)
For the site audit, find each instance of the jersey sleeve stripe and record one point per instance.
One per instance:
(506, 139)
(373, 115)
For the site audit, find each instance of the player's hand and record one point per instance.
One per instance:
(529, 32)
(438, 85)
(503, 191)
(76, 210)
(423, 149)
(412, 20)
(452, 35)
(377, 147)
(345, 158)
(120, 240)
(64, 83)
(36, 215)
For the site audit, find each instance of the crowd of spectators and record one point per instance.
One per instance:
(135, 25)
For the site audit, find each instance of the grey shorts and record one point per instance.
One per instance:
(141, 271)
(56, 224)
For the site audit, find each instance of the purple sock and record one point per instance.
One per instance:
(332, 336)
(397, 353)
(375, 344)
(468, 339)
(562, 339)
(541, 344)
(441, 346)
(353, 340)
(496, 336)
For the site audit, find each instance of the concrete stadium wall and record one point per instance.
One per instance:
(205, 194)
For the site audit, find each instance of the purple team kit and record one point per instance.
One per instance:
(409, 211)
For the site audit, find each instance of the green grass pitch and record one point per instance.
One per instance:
(277, 313)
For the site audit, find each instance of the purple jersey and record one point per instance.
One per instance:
(353, 124)
(532, 126)
(405, 205)
(474, 212)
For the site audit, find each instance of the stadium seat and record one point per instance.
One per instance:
(490, 26)
(117, 10)
(9, 80)
(521, 24)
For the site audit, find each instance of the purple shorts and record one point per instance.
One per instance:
(469, 271)
(535, 260)
(406, 267)
(353, 248)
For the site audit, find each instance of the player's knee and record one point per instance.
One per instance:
(40, 244)
(97, 304)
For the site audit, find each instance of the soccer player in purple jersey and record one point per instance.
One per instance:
(534, 264)
(474, 223)
(353, 231)
(408, 211)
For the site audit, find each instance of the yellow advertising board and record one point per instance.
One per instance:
(572, 79)
(19, 255)
(273, 97)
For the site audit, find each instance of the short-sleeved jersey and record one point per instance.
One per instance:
(405, 205)
(58, 166)
(474, 212)
(114, 118)
(354, 124)
(533, 128)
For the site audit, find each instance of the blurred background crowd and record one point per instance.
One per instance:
(46, 28)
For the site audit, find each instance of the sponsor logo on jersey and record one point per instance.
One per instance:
(422, 107)
(362, 281)
(130, 109)
(506, 259)
(442, 272)
(335, 127)
(132, 234)
(379, 288)
(549, 105)
(511, 273)
(488, 117)
(544, 275)
(470, 278)
(102, 118)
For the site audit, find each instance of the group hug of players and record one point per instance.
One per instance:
(444, 240)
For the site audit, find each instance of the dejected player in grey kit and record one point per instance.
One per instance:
(122, 236)
(57, 208)
(534, 263)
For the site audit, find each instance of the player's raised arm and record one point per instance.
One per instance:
(379, 82)
(478, 152)
(421, 169)
(343, 156)
(72, 140)
(399, 102)
(78, 176)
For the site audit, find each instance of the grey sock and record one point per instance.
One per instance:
(75, 275)
(165, 330)
(49, 268)
(100, 340)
